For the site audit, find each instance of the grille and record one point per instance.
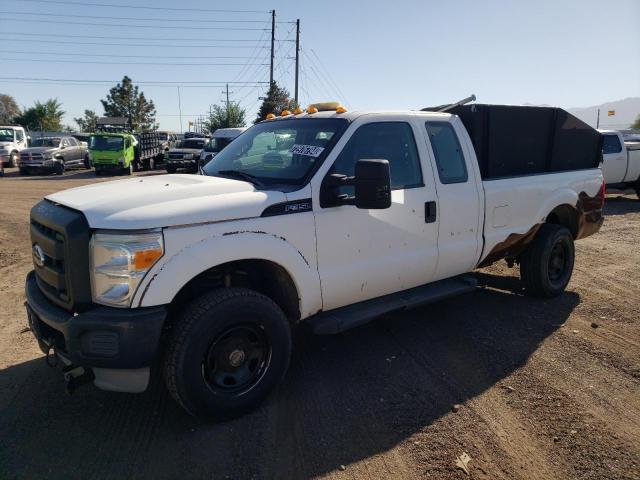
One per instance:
(63, 236)
(175, 156)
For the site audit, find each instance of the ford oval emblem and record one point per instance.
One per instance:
(38, 255)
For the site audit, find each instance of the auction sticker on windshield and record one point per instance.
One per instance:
(308, 150)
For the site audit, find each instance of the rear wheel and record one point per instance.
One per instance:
(226, 353)
(547, 264)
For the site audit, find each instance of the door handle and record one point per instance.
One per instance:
(430, 212)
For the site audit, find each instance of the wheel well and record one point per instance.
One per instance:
(567, 216)
(263, 276)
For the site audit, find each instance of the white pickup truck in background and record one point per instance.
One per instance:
(620, 161)
(330, 218)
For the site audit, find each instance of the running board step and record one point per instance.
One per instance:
(344, 318)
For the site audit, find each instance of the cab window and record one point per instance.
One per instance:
(391, 141)
(446, 148)
(611, 144)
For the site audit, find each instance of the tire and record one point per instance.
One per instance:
(128, 170)
(547, 263)
(171, 169)
(223, 326)
(87, 163)
(59, 168)
(13, 159)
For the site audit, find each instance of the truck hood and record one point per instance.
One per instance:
(166, 200)
(39, 149)
(185, 150)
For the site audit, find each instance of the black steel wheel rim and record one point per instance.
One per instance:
(237, 359)
(558, 262)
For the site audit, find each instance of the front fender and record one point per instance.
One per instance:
(178, 267)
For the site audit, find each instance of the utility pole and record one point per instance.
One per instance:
(598, 120)
(227, 103)
(273, 42)
(180, 109)
(297, 57)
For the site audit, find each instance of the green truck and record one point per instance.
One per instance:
(115, 149)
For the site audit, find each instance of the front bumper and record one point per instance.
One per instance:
(100, 338)
(182, 163)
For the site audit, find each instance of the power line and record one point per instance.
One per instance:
(330, 77)
(118, 55)
(42, 60)
(62, 80)
(69, 15)
(129, 25)
(110, 37)
(139, 7)
(108, 44)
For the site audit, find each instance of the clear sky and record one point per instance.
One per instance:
(373, 54)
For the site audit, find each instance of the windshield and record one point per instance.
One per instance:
(279, 152)
(46, 142)
(217, 144)
(6, 135)
(105, 142)
(196, 143)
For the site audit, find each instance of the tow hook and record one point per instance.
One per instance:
(76, 377)
(51, 359)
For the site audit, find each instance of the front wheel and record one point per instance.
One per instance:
(13, 159)
(226, 353)
(87, 162)
(59, 168)
(171, 169)
(547, 263)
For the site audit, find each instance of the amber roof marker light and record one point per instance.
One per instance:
(270, 116)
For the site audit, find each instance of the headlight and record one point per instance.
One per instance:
(188, 156)
(119, 262)
(46, 156)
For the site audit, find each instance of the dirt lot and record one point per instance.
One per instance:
(542, 393)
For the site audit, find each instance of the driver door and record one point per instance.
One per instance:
(363, 254)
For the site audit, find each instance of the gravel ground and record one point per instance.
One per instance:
(528, 389)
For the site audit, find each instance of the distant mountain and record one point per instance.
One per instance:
(627, 110)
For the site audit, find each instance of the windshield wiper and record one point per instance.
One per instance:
(243, 175)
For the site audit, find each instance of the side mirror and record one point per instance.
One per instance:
(62, 147)
(373, 184)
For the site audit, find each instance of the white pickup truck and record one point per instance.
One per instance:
(621, 161)
(328, 218)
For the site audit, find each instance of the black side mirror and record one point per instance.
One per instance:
(373, 184)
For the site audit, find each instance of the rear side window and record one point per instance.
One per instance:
(611, 144)
(72, 142)
(19, 135)
(448, 153)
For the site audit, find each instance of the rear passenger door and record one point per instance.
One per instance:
(363, 254)
(459, 199)
(614, 159)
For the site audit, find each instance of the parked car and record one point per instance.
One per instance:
(329, 218)
(13, 140)
(185, 155)
(53, 154)
(220, 139)
(620, 161)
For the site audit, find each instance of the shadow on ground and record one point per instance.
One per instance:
(621, 205)
(346, 398)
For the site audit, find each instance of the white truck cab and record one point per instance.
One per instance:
(329, 218)
(620, 161)
(13, 139)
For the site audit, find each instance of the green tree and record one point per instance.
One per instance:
(636, 125)
(225, 117)
(126, 100)
(8, 109)
(88, 122)
(45, 116)
(276, 101)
